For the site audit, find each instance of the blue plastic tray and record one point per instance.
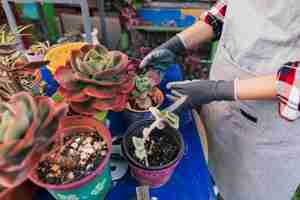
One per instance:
(161, 17)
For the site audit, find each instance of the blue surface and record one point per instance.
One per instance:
(191, 180)
(161, 17)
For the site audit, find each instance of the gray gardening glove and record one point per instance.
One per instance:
(165, 54)
(201, 92)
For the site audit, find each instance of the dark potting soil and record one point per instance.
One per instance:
(136, 107)
(80, 155)
(161, 149)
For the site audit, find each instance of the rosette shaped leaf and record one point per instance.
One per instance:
(96, 80)
(28, 125)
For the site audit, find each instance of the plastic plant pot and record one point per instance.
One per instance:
(131, 115)
(94, 186)
(153, 176)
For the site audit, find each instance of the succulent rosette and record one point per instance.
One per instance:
(27, 127)
(95, 80)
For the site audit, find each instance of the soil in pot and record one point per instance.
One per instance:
(146, 100)
(78, 157)
(162, 148)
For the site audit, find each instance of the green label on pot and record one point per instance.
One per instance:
(94, 190)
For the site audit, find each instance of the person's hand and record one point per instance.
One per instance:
(158, 57)
(201, 92)
(165, 54)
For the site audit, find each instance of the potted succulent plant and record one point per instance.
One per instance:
(96, 80)
(18, 71)
(153, 156)
(27, 127)
(8, 39)
(77, 166)
(18, 74)
(146, 94)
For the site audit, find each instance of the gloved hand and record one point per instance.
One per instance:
(201, 92)
(165, 54)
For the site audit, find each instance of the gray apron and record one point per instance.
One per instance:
(254, 154)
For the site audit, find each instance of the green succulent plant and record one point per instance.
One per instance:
(27, 127)
(145, 87)
(96, 80)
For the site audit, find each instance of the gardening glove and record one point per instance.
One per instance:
(201, 92)
(165, 54)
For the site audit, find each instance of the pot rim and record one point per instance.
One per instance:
(135, 163)
(129, 108)
(104, 132)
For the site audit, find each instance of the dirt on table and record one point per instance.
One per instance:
(80, 154)
(161, 149)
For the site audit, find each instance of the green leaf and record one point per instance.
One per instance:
(5, 119)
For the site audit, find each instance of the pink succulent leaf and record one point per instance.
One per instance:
(154, 77)
(103, 104)
(73, 96)
(7, 107)
(100, 92)
(75, 61)
(120, 103)
(133, 64)
(116, 104)
(66, 78)
(106, 81)
(5, 148)
(120, 65)
(5, 122)
(49, 128)
(13, 179)
(18, 161)
(127, 87)
(23, 124)
(84, 108)
(4, 192)
(26, 134)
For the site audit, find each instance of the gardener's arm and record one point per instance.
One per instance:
(258, 88)
(283, 87)
(207, 29)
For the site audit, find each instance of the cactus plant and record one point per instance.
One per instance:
(27, 127)
(96, 80)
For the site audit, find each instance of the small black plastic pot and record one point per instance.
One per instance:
(154, 176)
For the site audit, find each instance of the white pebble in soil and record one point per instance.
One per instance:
(84, 156)
(77, 140)
(90, 166)
(71, 175)
(97, 145)
(74, 145)
(103, 153)
(89, 151)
